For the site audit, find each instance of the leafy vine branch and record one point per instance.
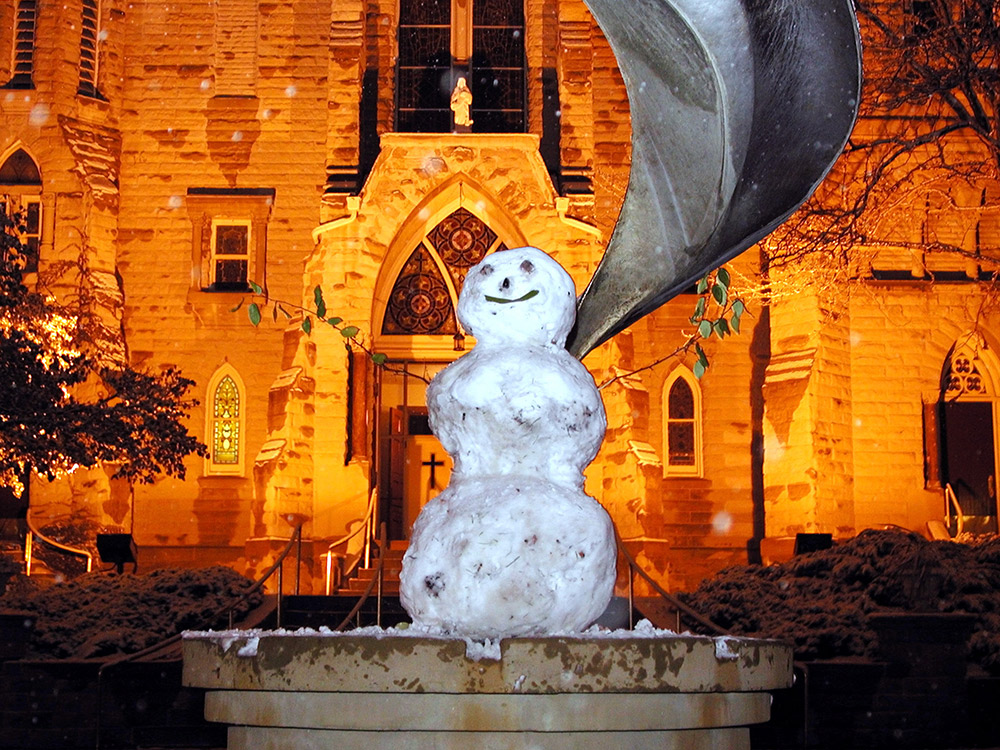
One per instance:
(717, 312)
(351, 333)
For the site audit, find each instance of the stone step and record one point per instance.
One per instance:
(310, 611)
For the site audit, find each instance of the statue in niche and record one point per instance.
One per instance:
(461, 106)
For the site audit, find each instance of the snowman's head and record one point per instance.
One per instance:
(518, 296)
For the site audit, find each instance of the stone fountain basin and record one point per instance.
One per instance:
(309, 690)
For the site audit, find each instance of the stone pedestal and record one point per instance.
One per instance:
(299, 691)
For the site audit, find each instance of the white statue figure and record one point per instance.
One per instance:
(461, 104)
(513, 546)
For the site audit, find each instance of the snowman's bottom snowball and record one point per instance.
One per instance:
(507, 556)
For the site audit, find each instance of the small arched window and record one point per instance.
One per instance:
(225, 432)
(682, 425)
(21, 199)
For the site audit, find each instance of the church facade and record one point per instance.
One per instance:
(182, 152)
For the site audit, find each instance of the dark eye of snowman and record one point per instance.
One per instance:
(527, 266)
(486, 270)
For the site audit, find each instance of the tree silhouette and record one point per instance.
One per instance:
(64, 403)
(922, 168)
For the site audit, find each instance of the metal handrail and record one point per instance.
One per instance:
(367, 525)
(952, 499)
(177, 637)
(377, 579)
(29, 547)
(680, 606)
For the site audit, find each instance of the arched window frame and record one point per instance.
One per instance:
(24, 197)
(213, 467)
(682, 470)
(455, 194)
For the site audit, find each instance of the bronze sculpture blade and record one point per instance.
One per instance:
(738, 112)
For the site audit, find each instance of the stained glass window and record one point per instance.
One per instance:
(421, 301)
(21, 186)
(20, 169)
(963, 377)
(462, 239)
(497, 75)
(423, 79)
(226, 423)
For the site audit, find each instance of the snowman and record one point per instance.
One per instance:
(513, 546)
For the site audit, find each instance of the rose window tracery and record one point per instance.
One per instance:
(963, 375)
(420, 302)
(462, 239)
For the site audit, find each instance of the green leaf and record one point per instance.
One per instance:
(320, 302)
(307, 325)
(699, 369)
(721, 328)
(722, 277)
(705, 328)
(335, 321)
(703, 284)
(379, 358)
(254, 312)
(734, 323)
(257, 289)
(349, 332)
(702, 357)
(739, 308)
(238, 306)
(699, 308)
(720, 294)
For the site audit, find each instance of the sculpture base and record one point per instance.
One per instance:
(311, 691)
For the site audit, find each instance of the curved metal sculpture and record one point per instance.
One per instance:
(739, 109)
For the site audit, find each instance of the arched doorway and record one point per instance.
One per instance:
(420, 334)
(967, 419)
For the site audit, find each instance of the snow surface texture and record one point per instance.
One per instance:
(513, 546)
(247, 642)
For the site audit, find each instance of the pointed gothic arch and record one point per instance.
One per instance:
(450, 231)
(21, 195)
(225, 422)
(682, 425)
(967, 429)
